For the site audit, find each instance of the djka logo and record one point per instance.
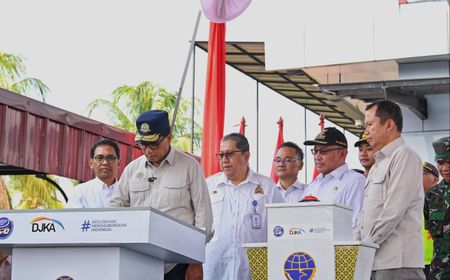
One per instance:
(6, 227)
(44, 224)
(296, 231)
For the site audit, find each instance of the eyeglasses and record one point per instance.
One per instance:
(323, 152)
(442, 161)
(228, 154)
(285, 161)
(152, 145)
(101, 158)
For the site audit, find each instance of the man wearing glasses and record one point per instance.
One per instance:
(167, 180)
(96, 193)
(238, 197)
(437, 212)
(288, 162)
(336, 183)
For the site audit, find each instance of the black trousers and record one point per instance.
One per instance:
(177, 273)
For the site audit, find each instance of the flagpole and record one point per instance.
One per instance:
(186, 66)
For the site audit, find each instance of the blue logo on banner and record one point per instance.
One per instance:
(278, 231)
(6, 227)
(299, 266)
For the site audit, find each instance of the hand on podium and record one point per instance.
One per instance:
(194, 271)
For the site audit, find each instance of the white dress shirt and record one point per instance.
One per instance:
(92, 194)
(294, 193)
(342, 185)
(232, 208)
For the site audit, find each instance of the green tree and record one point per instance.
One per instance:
(34, 192)
(13, 76)
(128, 102)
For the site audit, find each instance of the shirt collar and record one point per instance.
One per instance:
(337, 173)
(170, 159)
(296, 185)
(252, 177)
(104, 185)
(387, 150)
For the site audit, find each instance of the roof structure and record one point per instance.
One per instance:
(296, 85)
(37, 138)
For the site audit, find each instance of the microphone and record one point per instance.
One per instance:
(151, 179)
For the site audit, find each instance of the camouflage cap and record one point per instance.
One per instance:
(442, 147)
(429, 168)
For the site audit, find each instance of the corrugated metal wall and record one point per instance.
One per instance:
(43, 138)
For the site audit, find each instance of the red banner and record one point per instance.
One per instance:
(214, 110)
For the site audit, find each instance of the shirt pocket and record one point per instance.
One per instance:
(139, 194)
(174, 193)
(376, 191)
(217, 202)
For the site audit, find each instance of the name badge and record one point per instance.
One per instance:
(256, 221)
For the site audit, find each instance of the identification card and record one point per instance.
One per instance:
(256, 221)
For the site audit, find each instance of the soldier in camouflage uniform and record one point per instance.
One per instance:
(437, 212)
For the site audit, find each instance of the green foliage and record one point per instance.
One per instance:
(13, 76)
(35, 193)
(128, 102)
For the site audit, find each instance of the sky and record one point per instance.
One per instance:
(83, 50)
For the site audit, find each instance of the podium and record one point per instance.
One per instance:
(111, 243)
(310, 240)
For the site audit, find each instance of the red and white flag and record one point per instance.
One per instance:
(280, 140)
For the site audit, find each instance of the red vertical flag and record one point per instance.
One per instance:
(321, 124)
(242, 126)
(214, 110)
(280, 140)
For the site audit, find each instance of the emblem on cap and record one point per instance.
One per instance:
(145, 128)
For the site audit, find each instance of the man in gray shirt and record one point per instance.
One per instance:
(167, 180)
(393, 198)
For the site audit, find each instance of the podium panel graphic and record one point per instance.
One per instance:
(307, 241)
(112, 243)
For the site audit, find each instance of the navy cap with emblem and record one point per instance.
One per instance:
(329, 136)
(362, 140)
(442, 147)
(152, 125)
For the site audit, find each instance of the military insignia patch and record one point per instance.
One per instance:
(145, 128)
(259, 190)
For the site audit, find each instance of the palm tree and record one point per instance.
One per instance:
(12, 76)
(35, 192)
(128, 102)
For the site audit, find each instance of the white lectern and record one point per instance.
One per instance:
(310, 240)
(112, 243)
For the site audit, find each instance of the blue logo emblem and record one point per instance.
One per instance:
(86, 225)
(299, 266)
(6, 227)
(278, 231)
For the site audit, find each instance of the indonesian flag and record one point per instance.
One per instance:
(321, 124)
(242, 126)
(214, 110)
(280, 140)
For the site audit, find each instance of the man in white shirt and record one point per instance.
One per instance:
(288, 162)
(336, 183)
(392, 213)
(238, 197)
(104, 161)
